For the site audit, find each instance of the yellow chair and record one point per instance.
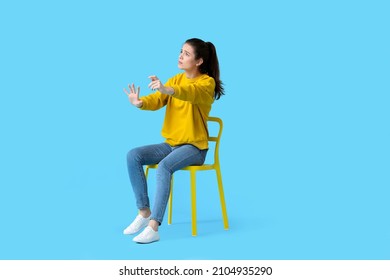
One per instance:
(193, 169)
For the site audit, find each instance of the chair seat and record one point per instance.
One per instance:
(200, 167)
(191, 167)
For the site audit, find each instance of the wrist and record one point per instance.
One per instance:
(169, 90)
(138, 105)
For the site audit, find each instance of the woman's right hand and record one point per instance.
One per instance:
(133, 96)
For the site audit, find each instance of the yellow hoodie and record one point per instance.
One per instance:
(187, 109)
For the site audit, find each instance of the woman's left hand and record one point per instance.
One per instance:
(156, 84)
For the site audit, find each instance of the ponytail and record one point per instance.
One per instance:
(210, 65)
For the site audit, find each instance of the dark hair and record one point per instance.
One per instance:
(210, 65)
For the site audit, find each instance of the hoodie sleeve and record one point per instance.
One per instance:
(154, 101)
(199, 92)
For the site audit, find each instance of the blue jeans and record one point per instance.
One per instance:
(169, 160)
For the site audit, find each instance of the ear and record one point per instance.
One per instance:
(199, 62)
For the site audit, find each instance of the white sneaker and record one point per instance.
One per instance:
(138, 224)
(148, 235)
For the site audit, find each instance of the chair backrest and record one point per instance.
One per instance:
(217, 138)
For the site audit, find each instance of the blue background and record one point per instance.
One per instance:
(304, 154)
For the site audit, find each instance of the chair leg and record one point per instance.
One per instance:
(193, 202)
(146, 173)
(222, 198)
(170, 203)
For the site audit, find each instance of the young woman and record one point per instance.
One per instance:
(188, 97)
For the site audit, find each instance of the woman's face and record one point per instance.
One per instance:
(187, 59)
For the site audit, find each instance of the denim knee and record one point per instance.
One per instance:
(163, 167)
(133, 155)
